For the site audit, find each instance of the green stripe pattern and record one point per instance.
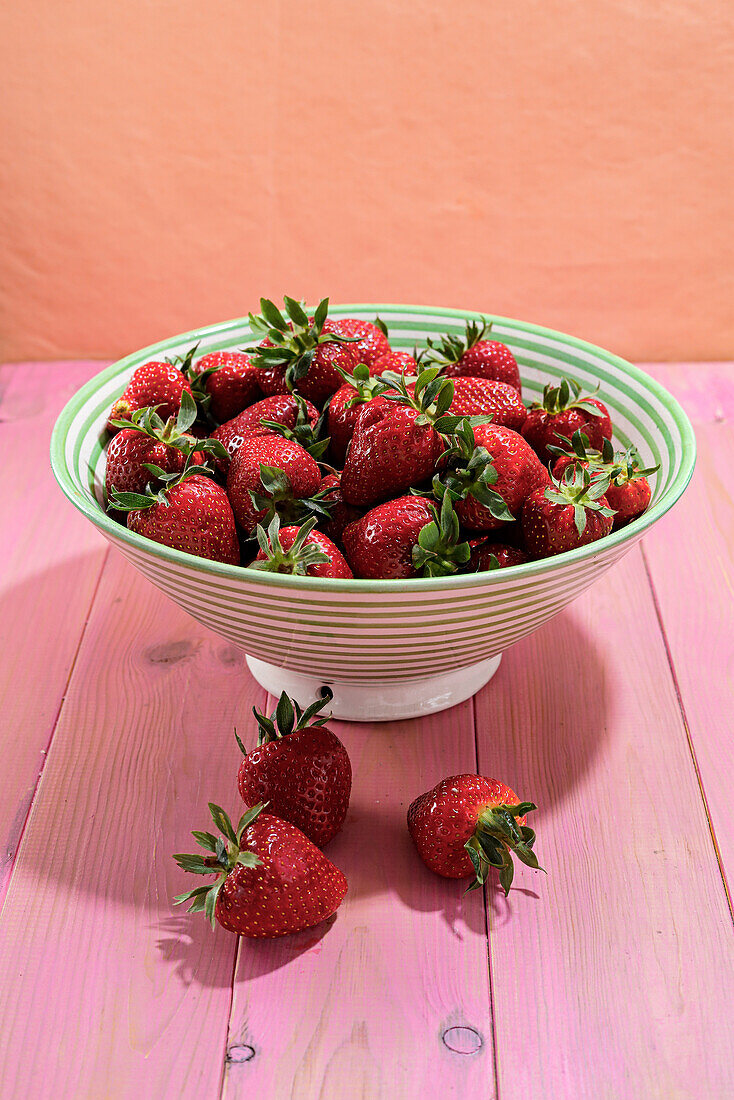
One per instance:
(370, 631)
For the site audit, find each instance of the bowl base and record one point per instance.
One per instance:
(359, 702)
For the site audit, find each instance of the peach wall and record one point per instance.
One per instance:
(165, 163)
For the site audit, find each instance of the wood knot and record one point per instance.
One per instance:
(169, 653)
(243, 1052)
(462, 1040)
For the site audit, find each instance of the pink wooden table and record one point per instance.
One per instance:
(610, 978)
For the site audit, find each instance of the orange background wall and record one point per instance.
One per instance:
(165, 162)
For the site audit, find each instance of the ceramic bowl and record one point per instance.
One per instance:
(388, 649)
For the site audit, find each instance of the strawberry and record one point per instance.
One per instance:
(406, 537)
(301, 353)
(271, 879)
(299, 768)
(286, 409)
(570, 513)
(300, 551)
(153, 384)
(345, 406)
(230, 382)
(489, 471)
(469, 823)
(482, 397)
(562, 412)
(473, 356)
(341, 514)
(269, 475)
(494, 555)
(629, 490)
(190, 513)
(399, 362)
(371, 338)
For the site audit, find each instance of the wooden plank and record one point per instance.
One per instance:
(392, 1000)
(690, 556)
(51, 561)
(610, 975)
(134, 997)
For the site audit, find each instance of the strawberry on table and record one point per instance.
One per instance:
(571, 512)
(300, 353)
(285, 409)
(190, 512)
(155, 384)
(299, 768)
(300, 551)
(406, 537)
(371, 339)
(563, 411)
(268, 476)
(473, 356)
(270, 878)
(469, 823)
(345, 407)
(489, 471)
(229, 381)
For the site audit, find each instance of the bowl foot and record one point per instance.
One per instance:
(359, 702)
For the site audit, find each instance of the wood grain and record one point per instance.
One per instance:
(132, 998)
(610, 975)
(393, 1000)
(690, 556)
(51, 561)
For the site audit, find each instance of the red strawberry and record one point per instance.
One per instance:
(300, 551)
(482, 397)
(230, 381)
(341, 514)
(270, 475)
(489, 471)
(469, 823)
(303, 354)
(494, 555)
(629, 490)
(345, 407)
(473, 356)
(571, 513)
(371, 343)
(152, 384)
(406, 538)
(400, 362)
(286, 409)
(299, 768)
(388, 455)
(190, 513)
(271, 879)
(562, 412)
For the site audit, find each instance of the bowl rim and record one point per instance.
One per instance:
(487, 579)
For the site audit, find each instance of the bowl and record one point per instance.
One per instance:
(388, 649)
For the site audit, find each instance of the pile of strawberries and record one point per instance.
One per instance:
(324, 452)
(271, 877)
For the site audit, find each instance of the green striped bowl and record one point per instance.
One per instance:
(387, 648)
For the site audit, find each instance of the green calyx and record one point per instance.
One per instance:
(468, 471)
(366, 385)
(278, 499)
(449, 349)
(134, 502)
(498, 837)
(224, 853)
(295, 561)
(438, 552)
(579, 489)
(431, 399)
(293, 339)
(567, 395)
(620, 467)
(288, 717)
(303, 432)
